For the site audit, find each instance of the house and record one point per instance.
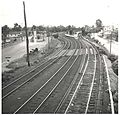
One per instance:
(107, 30)
(11, 37)
(14, 34)
(110, 31)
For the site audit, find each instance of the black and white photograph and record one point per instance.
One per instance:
(59, 56)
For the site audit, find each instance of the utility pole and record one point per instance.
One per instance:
(27, 41)
(48, 41)
(48, 35)
(110, 42)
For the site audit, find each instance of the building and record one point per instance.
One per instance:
(38, 35)
(110, 31)
(14, 34)
(107, 30)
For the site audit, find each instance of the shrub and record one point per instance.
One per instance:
(96, 41)
(115, 67)
(102, 51)
(87, 37)
(55, 35)
(36, 50)
(112, 57)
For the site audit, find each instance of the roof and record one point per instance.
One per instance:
(15, 32)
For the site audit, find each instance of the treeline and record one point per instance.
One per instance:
(16, 28)
(71, 29)
(86, 29)
(55, 28)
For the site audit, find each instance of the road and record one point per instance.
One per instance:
(114, 49)
(17, 51)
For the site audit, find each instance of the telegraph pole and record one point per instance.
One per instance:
(48, 41)
(110, 42)
(27, 41)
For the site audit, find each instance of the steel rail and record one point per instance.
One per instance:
(100, 79)
(56, 53)
(42, 86)
(59, 83)
(98, 103)
(98, 109)
(91, 87)
(31, 77)
(109, 87)
(77, 85)
(54, 87)
(111, 98)
(94, 73)
(108, 79)
(71, 85)
(91, 84)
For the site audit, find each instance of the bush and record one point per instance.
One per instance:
(36, 50)
(101, 51)
(112, 57)
(96, 41)
(115, 67)
(55, 35)
(87, 37)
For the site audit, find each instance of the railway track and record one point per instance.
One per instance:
(5, 99)
(64, 46)
(56, 52)
(14, 85)
(88, 96)
(47, 90)
(73, 83)
(104, 103)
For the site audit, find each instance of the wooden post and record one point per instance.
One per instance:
(48, 43)
(48, 35)
(27, 41)
(110, 42)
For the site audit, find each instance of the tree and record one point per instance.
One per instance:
(99, 26)
(33, 27)
(61, 28)
(55, 35)
(69, 29)
(83, 31)
(98, 23)
(17, 27)
(5, 32)
(115, 66)
(87, 29)
(112, 57)
(115, 34)
(41, 28)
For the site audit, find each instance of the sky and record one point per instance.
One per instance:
(59, 12)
